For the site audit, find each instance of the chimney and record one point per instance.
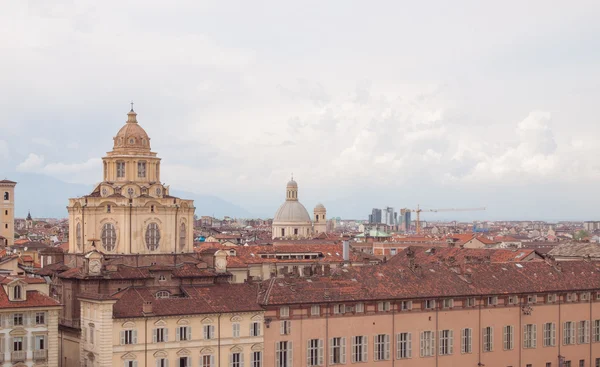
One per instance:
(346, 250)
(147, 308)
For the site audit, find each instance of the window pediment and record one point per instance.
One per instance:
(128, 356)
(257, 347)
(183, 322)
(236, 318)
(183, 352)
(207, 320)
(160, 354)
(160, 323)
(236, 349)
(128, 325)
(206, 351)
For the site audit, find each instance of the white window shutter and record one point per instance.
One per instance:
(189, 332)
(290, 355)
(491, 339)
(134, 336)
(166, 334)
(587, 331)
(440, 342)
(422, 344)
(308, 350)
(242, 359)
(230, 359)
(387, 347)
(154, 335)
(158, 363)
(365, 341)
(320, 354)
(258, 326)
(409, 336)
(177, 334)
(212, 332)
(212, 360)
(451, 342)
(277, 354)
(282, 328)
(122, 337)
(343, 351)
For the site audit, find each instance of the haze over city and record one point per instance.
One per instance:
(368, 104)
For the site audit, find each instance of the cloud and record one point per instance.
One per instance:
(33, 163)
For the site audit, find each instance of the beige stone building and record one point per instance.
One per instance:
(292, 220)
(7, 213)
(220, 325)
(28, 323)
(131, 211)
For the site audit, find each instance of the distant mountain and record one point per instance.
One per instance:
(48, 197)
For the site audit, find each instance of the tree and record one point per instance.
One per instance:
(581, 235)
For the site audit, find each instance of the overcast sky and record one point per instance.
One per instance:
(368, 103)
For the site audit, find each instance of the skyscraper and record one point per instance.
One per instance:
(405, 219)
(375, 216)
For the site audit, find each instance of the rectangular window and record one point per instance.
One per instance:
(513, 300)
(182, 362)
(427, 343)
(470, 302)
(283, 354)
(255, 329)
(236, 360)
(163, 362)
(549, 334)
(585, 296)
(284, 311)
(508, 337)
(91, 335)
(40, 318)
(405, 305)
(141, 169)
(128, 337)
(597, 362)
(315, 310)
(551, 298)
(567, 364)
(339, 309)
(448, 303)
(160, 335)
(256, 359)
(17, 344)
(404, 347)
(285, 327)
(446, 342)
(382, 347)
(208, 332)
(529, 336)
(235, 329)
(337, 351)
(360, 308)
(429, 304)
(488, 339)
(597, 331)
(359, 348)
(549, 364)
(207, 360)
(466, 342)
(40, 342)
(383, 306)
(492, 301)
(185, 333)
(120, 169)
(314, 352)
(531, 299)
(582, 363)
(583, 332)
(568, 333)
(17, 319)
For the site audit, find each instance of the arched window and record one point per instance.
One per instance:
(17, 292)
(78, 235)
(6, 196)
(163, 294)
(152, 236)
(120, 169)
(109, 236)
(182, 235)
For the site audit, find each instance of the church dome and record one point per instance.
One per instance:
(292, 183)
(132, 135)
(291, 212)
(319, 207)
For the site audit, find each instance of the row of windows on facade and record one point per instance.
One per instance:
(36, 342)
(427, 343)
(23, 319)
(295, 232)
(108, 236)
(236, 359)
(183, 333)
(430, 304)
(141, 169)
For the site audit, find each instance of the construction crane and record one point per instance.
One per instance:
(419, 210)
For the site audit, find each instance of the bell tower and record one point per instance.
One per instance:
(7, 213)
(320, 219)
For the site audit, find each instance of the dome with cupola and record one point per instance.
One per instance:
(292, 219)
(131, 136)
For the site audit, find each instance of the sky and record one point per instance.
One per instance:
(368, 103)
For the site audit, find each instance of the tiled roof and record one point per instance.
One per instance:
(430, 280)
(7, 182)
(28, 280)
(200, 300)
(33, 299)
(460, 255)
(576, 249)
(122, 272)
